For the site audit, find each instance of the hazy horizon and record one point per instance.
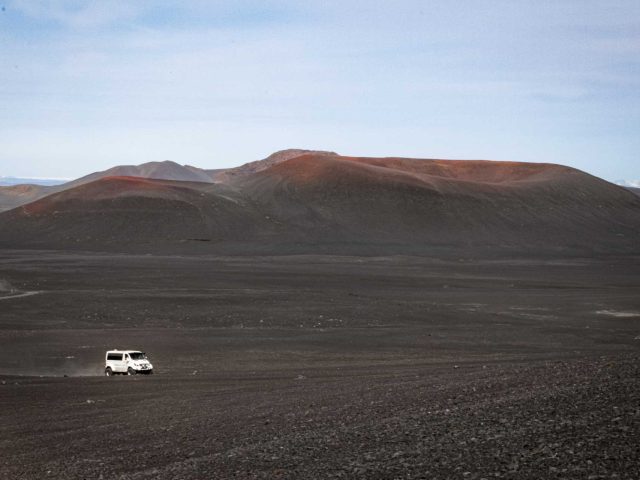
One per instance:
(90, 85)
(9, 180)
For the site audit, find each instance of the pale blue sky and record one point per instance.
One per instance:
(85, 85)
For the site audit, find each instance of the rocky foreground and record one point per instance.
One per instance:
(320, 367)
(575, 418)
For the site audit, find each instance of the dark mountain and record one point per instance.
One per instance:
(15, 195)
(319, 202)
(119, 212)
(439, 202)
(232, 174)
(166, 170)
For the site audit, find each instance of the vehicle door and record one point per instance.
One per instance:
(119, 364)
(114, 361)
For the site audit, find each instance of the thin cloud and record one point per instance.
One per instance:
(194, 81)
(79, 13)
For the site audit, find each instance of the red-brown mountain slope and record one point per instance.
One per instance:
(122, 212)
(328, 203)
(438, 202)
(13, 196)
(166, 170)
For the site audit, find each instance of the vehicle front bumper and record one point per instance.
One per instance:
(144, 369)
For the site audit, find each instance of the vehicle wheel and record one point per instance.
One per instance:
(150, 372)
(131, 371)
(108, 372)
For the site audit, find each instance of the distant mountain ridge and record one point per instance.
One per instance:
(10, 181)
(225, 176)
(165, 170)
(321, 202)
(13, 196)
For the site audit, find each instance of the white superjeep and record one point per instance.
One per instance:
(127, 362)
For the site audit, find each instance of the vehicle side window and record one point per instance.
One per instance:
(114, 356)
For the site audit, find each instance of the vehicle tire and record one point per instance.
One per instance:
(150, 372)
(131, 371)
(108, 372)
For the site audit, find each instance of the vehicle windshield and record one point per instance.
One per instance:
(137, 356)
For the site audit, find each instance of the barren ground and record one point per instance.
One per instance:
(320, 367)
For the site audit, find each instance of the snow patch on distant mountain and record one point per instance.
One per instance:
(8, 181)
(628, 183)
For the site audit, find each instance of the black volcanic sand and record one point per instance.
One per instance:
(320, 367)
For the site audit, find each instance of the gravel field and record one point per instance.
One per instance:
(556, 419)
(320, 367)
